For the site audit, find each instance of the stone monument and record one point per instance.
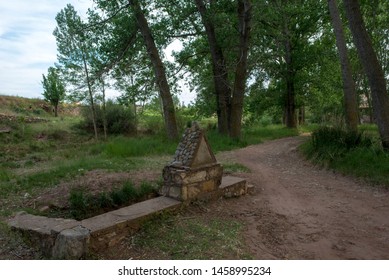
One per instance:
(194, 172)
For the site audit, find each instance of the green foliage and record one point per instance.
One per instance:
(124, 194)
(369, 163)
(84, 204)
(354, 153)
(146, 188)
(220, 142)
(139, 146)
(151, 123)
(53, 88)
(79, 203)
(4, 175)
(48, 176)
(331, 142)
(120, 119)
(250, 136)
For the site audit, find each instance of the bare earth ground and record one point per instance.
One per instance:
(303, 212)
(297, 211)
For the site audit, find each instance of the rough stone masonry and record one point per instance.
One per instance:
(194, 172)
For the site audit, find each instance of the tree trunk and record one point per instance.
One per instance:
(56, 110)
(290, 104)
(244, 14)
(301, 115)
(92, 105)
(159, 71)
(104, 109)
(375, 75)
(220, 73)
(350, 94)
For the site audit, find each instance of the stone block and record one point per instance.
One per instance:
(175, 192)
(233, 186)
(71, 244)
(41, 231)
(215, 171)
(194, 177)
(193, 191)
(209, 186)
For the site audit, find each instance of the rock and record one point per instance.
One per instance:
(71, 244)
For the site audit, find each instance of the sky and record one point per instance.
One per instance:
(28, 47)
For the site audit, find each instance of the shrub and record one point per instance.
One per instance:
(84, 205)
(343, 139)
(79, 203)
(353, 153)
(329, 143)
(120, 119)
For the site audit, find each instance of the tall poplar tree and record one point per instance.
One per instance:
(75, 52)
(229, 95)
(349, 88)
(372, 67)
(159, 70)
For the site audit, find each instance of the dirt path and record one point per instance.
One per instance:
(299, 211)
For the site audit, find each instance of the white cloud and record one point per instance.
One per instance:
(27, 46)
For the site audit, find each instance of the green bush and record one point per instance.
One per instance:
(152, 124)
(120, 119)
(84, 205)
(124, 195)
(80, 203)
(331, 142)
(353, 153)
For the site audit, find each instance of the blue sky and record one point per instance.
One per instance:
(27, 46)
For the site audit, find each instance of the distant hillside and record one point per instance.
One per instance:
(21, 106)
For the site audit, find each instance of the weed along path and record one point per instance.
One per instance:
(300, 211)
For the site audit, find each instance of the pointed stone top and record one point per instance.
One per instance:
(193, 150)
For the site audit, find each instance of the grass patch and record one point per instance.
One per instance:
(371, 164)
(135, 147)
(223, 143)
(178, 238)
(255, 135)
(84, 205)
(4, 175)
(235, 168)
(250, 136)
(48, 176)
(358, 154)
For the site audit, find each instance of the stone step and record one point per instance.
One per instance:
(110, 228)
(41, 231)
(233, 186)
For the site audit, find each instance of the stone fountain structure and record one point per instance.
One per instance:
(194, 172)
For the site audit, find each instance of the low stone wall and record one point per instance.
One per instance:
(71, 239)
